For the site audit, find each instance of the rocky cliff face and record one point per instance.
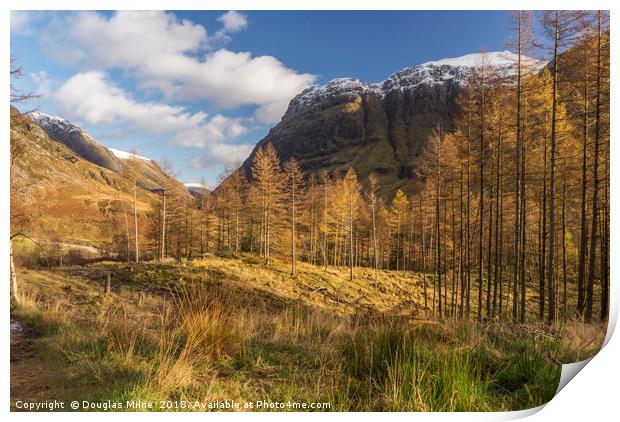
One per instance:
(380, 127)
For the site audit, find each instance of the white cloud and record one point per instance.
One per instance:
(20, 22)
(218, 129)
(222, 154)
(93, 98)
(171, 57)
(43, 81)
(270, 112)
(126, 39)
(233, 21)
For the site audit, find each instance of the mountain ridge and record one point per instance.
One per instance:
(151, 176)
(377, 127)
(80, 201)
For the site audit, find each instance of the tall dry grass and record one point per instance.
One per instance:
(204, 342)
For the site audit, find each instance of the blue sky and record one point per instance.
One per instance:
(202, 87)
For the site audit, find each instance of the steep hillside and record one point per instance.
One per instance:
(71, 200)
(77, 140)
(380, 127)
(84, 145)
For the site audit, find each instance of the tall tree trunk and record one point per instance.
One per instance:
(551, 261)
(468, 208)
(454, 283)
(201, 224)
(163, 225)
(14, 292)
(325, 252)
(564, 249)
(374, 241)
(461, 259)
(605, 249)
(437, 231)
(498, 169)
(522, 255)
(517, 225)
(595, 179)
(500, 248)
(135, 218)
(293, 257)
(267, 228)
(187, 252)
(423, 222)
(583, 241)
(543, 234)
(127, 232)
(481, 202)
(489, 249)
(351, 233)
(237, 225)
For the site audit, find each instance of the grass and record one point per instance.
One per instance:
(229, 329)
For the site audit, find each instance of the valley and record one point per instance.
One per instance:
(436, 241)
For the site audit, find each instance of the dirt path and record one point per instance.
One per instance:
(26, 367)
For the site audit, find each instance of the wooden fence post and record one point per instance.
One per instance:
(108, 282)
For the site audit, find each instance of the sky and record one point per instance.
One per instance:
(201, 88)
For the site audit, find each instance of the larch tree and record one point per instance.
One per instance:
(168, 172)
(372, 204)
(481, 81)
(594, 237)
(266, 171)
(294, 185)
(352, 194)
(133, 173)
(561, 28)
(399, 211)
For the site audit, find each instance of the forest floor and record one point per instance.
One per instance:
(187, 335)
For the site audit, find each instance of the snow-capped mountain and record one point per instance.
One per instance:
(379, 127)
(43, 119)
(439, 72)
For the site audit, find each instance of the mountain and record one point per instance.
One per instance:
(151, 176)
(380, 127)
(67, 199)
(77, 140)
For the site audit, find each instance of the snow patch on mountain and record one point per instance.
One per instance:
(124, 155)
(48, 121)
(496, 59)
(196, 187)
(448, 70)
